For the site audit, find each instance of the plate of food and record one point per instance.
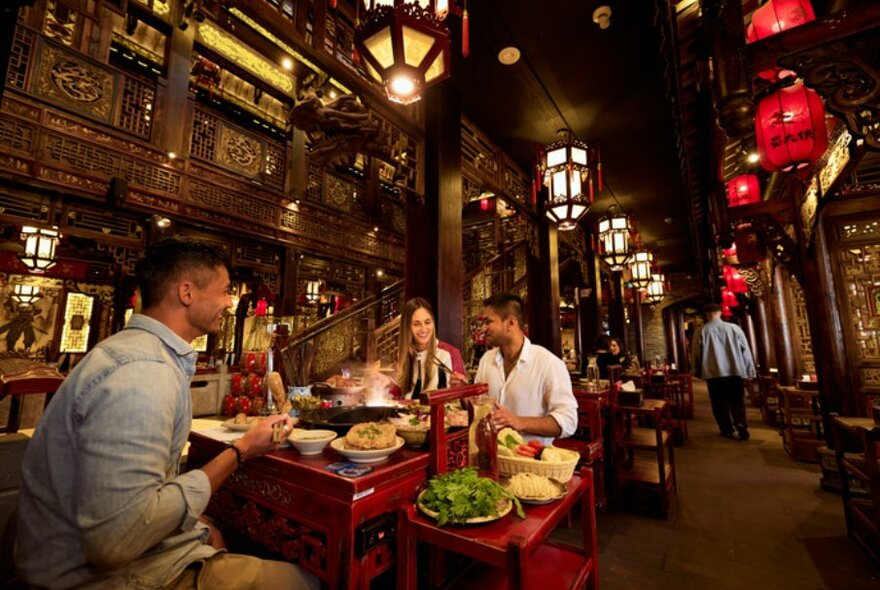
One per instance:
(462, 497)
(531, 488)
(242, 422)
(368, 442)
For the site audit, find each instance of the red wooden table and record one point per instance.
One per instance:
(514, 549)
(293, 506)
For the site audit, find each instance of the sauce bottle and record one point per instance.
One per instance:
(487, 448)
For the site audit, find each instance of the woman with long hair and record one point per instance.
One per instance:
(423, 362)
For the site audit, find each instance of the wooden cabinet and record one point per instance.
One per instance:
(862, 511)
(801, 424)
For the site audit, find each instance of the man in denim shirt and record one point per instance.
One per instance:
(102, 503)
(720, 354)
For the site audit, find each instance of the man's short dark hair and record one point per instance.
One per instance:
(711, 308)
(170, 259)
(506, 305)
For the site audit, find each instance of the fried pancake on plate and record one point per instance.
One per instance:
(370, 435)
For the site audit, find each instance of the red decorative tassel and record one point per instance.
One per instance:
(465, 34)
(534, 193)
(355, 56)
(601, 176)
(590, 182)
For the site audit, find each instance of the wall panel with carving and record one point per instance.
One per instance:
(802, 328)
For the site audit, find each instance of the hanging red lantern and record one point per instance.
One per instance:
(749, 247)
(728, 298)
(790, 129)
(726, 312)
(735, 281)
(777, 16)
(729, 255)
(742, 190)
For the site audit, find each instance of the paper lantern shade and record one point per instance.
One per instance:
(735, 281)
(790, 129)
(728, 298)
(749, 247)
(742, 190)
(777, 16)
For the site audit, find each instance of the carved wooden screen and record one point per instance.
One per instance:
(857, 258)
(802, 328)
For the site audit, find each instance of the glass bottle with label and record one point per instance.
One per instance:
(592, 373)
(487, 447)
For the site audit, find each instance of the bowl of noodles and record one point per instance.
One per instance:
(531, 488)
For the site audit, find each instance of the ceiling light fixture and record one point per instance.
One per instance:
(287, 63)
(509, 55)
(39, 247)
(602, 16)
(569, 168)
(640, 268)
(405, 46)
(656, 289)
(26, 294)
(614, 235)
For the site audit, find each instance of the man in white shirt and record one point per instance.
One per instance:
(530, 384)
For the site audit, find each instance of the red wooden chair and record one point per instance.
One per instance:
(19, 377)
(588, 441)
(510, 553)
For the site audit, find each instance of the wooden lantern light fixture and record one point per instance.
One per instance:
(405, 46)
(790, 128)
(39, 247)
(640, 269)
(569, 174)
(614, 234)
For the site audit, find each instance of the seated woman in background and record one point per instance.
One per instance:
(423, 362)
(613, 355)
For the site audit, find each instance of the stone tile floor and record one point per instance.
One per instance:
(746, 516)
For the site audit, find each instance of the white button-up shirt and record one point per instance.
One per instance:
(539, 385)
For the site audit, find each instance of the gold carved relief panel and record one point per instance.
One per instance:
(860, 271)
(69, 81)
(239, 151)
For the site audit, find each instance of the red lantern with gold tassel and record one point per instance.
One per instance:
(790, 129)
(742, 190)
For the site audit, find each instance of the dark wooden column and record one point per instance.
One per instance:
(542, 266)
(290, 272)
(589, 308)
(782, 315)
(764, 332)
(748, 327)
(174, 132)
(433, 266)
(617, 318)
(638, 327)
(670, 334)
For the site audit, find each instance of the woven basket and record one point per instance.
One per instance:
(560, 471)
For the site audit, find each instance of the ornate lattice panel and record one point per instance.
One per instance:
(20, 58)
(60, 22)
(87, 157)
(404, 153)
(77, 320)
(255, 253)
(860, 270)
(859, 230)
(315, 183)
(340, 193)
(203, 143)
(70, 80)
(802, 326)
(215, 198)
(104, 223)
(470, 189)
(16, 135)
(349, 273)
(273, 172)
(477, 151)
(136, 109)
(24, 207)
(393, 215)
(516, 183)
(125, 258)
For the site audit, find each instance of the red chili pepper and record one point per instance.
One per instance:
(526, 451)
(536, 444)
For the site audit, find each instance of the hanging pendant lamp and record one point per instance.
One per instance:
(614, 235)
(39, 247)
(567, 173)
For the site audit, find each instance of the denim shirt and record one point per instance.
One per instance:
(720, 349)
(102, 502)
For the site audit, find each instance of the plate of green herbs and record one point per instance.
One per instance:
(463, 497)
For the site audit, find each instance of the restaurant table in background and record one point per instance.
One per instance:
(341, 529)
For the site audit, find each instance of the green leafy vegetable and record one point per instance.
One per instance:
(460, 495)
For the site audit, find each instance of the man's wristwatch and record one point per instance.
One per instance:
(238, 454)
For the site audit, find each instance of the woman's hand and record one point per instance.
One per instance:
(456, 379)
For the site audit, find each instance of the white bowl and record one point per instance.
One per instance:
(366, 456)
(310, 442)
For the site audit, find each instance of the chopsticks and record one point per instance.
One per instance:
(443, 365)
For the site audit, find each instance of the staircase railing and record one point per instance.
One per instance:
(320, 350)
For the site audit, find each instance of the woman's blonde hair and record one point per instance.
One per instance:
(406, 351)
